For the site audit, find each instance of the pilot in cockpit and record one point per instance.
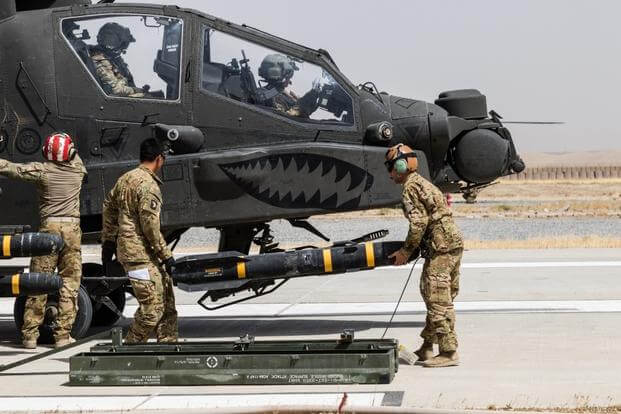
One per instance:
(276, 71)
(111, 70)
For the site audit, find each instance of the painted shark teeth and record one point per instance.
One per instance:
(301, 180)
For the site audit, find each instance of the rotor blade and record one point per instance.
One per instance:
(534, 122)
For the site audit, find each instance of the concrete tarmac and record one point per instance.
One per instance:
(537, 329)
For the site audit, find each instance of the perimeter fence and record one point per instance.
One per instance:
(566, 173)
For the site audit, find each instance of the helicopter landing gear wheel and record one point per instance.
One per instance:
(470, 197)
(46, 330)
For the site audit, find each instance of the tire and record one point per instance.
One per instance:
(80, 326)
(102, 315)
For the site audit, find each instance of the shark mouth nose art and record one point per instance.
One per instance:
(301, 180)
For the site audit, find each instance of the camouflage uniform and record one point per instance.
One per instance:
(112, 77)
(290, 104)
(131, 219)
(58, 185)
(432, 227)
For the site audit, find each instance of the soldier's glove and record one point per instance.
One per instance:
(169, 265)
(108, 250)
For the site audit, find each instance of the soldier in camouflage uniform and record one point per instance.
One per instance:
(110, 68)
(131, 229)
(433, 229)
(58, 181)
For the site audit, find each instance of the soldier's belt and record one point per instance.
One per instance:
(62, 220)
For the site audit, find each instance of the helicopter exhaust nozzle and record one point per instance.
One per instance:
(181, 139)
(7, 9)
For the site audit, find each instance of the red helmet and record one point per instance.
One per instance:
(58, 147)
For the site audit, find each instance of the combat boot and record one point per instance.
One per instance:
(424, 353)
(64, 342)
(29, 343)
(443, 359)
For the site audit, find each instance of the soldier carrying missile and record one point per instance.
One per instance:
(58, 181)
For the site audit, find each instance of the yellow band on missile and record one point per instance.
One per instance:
(15, 285)
(241, 270)
(327, 260)
(368, 247)
(6, 246)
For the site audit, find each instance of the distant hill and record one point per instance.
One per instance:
(572, 159)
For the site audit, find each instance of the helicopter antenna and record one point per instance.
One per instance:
(535, 122)
(497, 118)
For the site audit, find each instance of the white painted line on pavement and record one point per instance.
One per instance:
(176, 402)
(518, 265)
(62, 404)
(257, 400)
(270, 310)
(283, 310)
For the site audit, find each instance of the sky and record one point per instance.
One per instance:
(535, 60)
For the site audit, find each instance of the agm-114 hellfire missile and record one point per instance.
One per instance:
(29, 244)
(28, 284)
(15, 283)
(213, 269)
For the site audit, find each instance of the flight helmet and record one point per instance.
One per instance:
(277, 69)
(114, 37)
(58, 147)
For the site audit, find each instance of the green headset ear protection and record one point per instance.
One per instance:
(401, 166)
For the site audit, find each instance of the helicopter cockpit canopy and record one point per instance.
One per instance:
(132, 56)
(290, 86)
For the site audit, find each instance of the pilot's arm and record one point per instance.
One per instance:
(308, 103)
(118, 84)
(150, 206)
(33, 172)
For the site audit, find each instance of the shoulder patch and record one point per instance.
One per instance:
(152, 204)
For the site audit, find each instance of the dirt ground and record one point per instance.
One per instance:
(566, 198)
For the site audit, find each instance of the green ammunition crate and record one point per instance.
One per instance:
(238, 363)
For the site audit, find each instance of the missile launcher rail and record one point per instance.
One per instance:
(243, 362)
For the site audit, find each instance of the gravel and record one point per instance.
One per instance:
(472, 228)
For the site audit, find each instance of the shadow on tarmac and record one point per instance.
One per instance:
(204, 327)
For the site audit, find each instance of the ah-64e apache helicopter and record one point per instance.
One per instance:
(259, 128)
